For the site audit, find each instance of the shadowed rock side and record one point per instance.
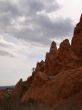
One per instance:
(77, 39)
(56, 81)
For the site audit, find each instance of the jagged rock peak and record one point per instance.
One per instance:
(53, 44)
(40, 66)
(78, 28)
(19, 82)
(77, 39)
(65, 44)
(65, 53)
(81, 19)
(64, 48)
(53, 48)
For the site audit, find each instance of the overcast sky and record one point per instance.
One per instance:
(27, 27)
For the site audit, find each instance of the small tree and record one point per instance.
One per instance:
(33, 69)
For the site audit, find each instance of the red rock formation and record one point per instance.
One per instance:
(58, 79)
(21, 87)
(64, 85)
(56, 60)
(77, 39)
(65, 53)
(53, 48)
(40, 66)
(51, 61)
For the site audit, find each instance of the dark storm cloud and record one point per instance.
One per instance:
(36, 27)
(43, 29)
(6, 53)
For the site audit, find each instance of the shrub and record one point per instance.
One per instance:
(31, 102)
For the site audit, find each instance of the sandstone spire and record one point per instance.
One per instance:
(53, 48)
(77, 39)
(65, 53)
(81, 19)
(50, 59)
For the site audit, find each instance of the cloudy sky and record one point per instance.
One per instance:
(27, 28)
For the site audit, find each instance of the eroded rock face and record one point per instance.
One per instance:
(50, 60)
(63, 86)
(18, 89)
(56, 60)
(21, 87)
(59, 77)
(77, 39)
(53, 48)
(40, 66)
(65, 53)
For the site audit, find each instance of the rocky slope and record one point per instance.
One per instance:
(58, 79)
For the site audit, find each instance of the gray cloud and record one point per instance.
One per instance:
(33, 6)
(6, 53)
(5, 45)
(37, 28)
(43, 29)
(9, 7)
